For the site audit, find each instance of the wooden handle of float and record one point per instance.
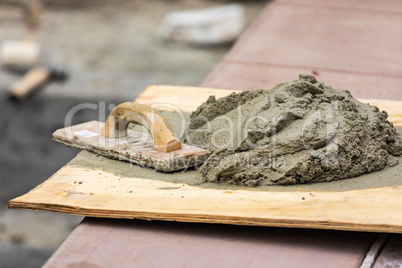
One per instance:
(29, 82)
(129, 112)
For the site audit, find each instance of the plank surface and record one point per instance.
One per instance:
(324, 39)
(249, 76)
(352, 45)
(133, 243)
(384, 6)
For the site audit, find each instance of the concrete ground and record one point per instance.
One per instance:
(112, 52)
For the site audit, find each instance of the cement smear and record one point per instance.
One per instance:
(389, 176)
(298, 132)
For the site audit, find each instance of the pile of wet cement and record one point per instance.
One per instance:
(298, 132)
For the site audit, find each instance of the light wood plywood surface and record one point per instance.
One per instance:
(97, 193)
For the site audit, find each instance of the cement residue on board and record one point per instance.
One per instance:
(298, 132)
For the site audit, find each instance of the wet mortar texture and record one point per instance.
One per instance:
(298, 132)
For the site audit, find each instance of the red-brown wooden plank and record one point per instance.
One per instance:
(322, 38)
(382, 6)
(250, 76)
(134, 243)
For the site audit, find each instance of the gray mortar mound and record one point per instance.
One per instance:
(298, 132)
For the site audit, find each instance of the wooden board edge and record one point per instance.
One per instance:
(205, 218)
(29, 202)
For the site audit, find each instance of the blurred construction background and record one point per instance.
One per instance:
(112, 52)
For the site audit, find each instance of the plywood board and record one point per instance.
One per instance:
(98, 193)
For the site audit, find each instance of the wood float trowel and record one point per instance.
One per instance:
(164, 152)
